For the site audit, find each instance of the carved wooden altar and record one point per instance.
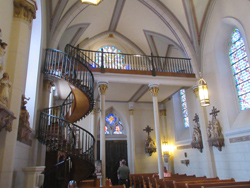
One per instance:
(214, 131)
(197, 138)
(6, 118)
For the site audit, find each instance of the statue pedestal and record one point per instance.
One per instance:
(6, 118)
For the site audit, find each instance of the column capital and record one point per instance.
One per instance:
(131, 111)
(25, 9)
(196, 91)
(163, 112)
(102, 87)
(47, 84)
(153, 88)
(94, 111)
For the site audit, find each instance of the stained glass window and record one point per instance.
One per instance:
(112, 58)
(111, 119)
(106, 129)
(240, 67)
(117, 130)
(184, 108)
(113, 125)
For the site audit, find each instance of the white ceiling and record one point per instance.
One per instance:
(165, 28)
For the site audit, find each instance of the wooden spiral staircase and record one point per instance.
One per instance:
(57, 129)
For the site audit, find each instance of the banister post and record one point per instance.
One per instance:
(102, 65)
(152, 62)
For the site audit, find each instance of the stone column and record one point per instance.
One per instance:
(16, 66)
(93, 125)
(207, 150)
(153, 88)
(131, 118)
(102, 87)
(41, 148)
(33, 177)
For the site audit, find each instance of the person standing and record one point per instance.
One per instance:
(123, 174)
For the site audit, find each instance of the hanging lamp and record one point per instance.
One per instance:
(203, 92)
(92, 2)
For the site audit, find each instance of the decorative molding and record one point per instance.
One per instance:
(163, 112)
(234, 132)
(6, 118)
(131, 111)
(102, 87)
(47, 84)
(184, 147)
(25, 10)
(153, 88)
(239, 139)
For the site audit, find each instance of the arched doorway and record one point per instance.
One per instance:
(116, 144)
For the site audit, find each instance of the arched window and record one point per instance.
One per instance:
(112, 58)
(184, 108)
(113, 125)
(240, 67)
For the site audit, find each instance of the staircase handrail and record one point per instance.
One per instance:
(69, 68)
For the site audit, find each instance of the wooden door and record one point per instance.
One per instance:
(116, 150)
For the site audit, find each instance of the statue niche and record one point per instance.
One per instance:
(24, 129)
(214, 131)
(196, 137)
(149, 143)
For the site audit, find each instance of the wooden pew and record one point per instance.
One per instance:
(170, 181)
(160, 183)
(182, 184)
(93, 183)
(136, 179)
(115, 186)
(215, 184)
(231, 186)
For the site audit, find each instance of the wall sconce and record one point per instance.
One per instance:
(149, 143)
(92, 2)
(185, 161)
(167, 150)
(203, 92)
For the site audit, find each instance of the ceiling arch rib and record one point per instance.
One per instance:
(64, 22)
(150, 35)
(72, 35)
(176, 28)
(116, 14)
(136, 49)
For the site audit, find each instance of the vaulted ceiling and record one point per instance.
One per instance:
(164, 28)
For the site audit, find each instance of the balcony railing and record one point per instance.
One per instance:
(130, 62)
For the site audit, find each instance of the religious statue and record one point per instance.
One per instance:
(2, 50)
(5, 88)
(24, 129)
(149, 143)
(214, 131)
(196, 137)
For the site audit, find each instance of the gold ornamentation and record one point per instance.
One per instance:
(163, 112)
(196, 91)
(196, 137)
(131, 111)
(25, 10)
(102, 88)
(154, 90)
(47, 84)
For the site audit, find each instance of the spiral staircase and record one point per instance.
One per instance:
(57, 128)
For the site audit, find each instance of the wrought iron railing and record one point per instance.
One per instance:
(61, 135)
(108, 60)
(54, 129)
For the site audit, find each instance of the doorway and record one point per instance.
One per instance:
(116, 150)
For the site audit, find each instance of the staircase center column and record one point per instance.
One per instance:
(24, 11)
(102, 87)
(131, 117)
(153, 88)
